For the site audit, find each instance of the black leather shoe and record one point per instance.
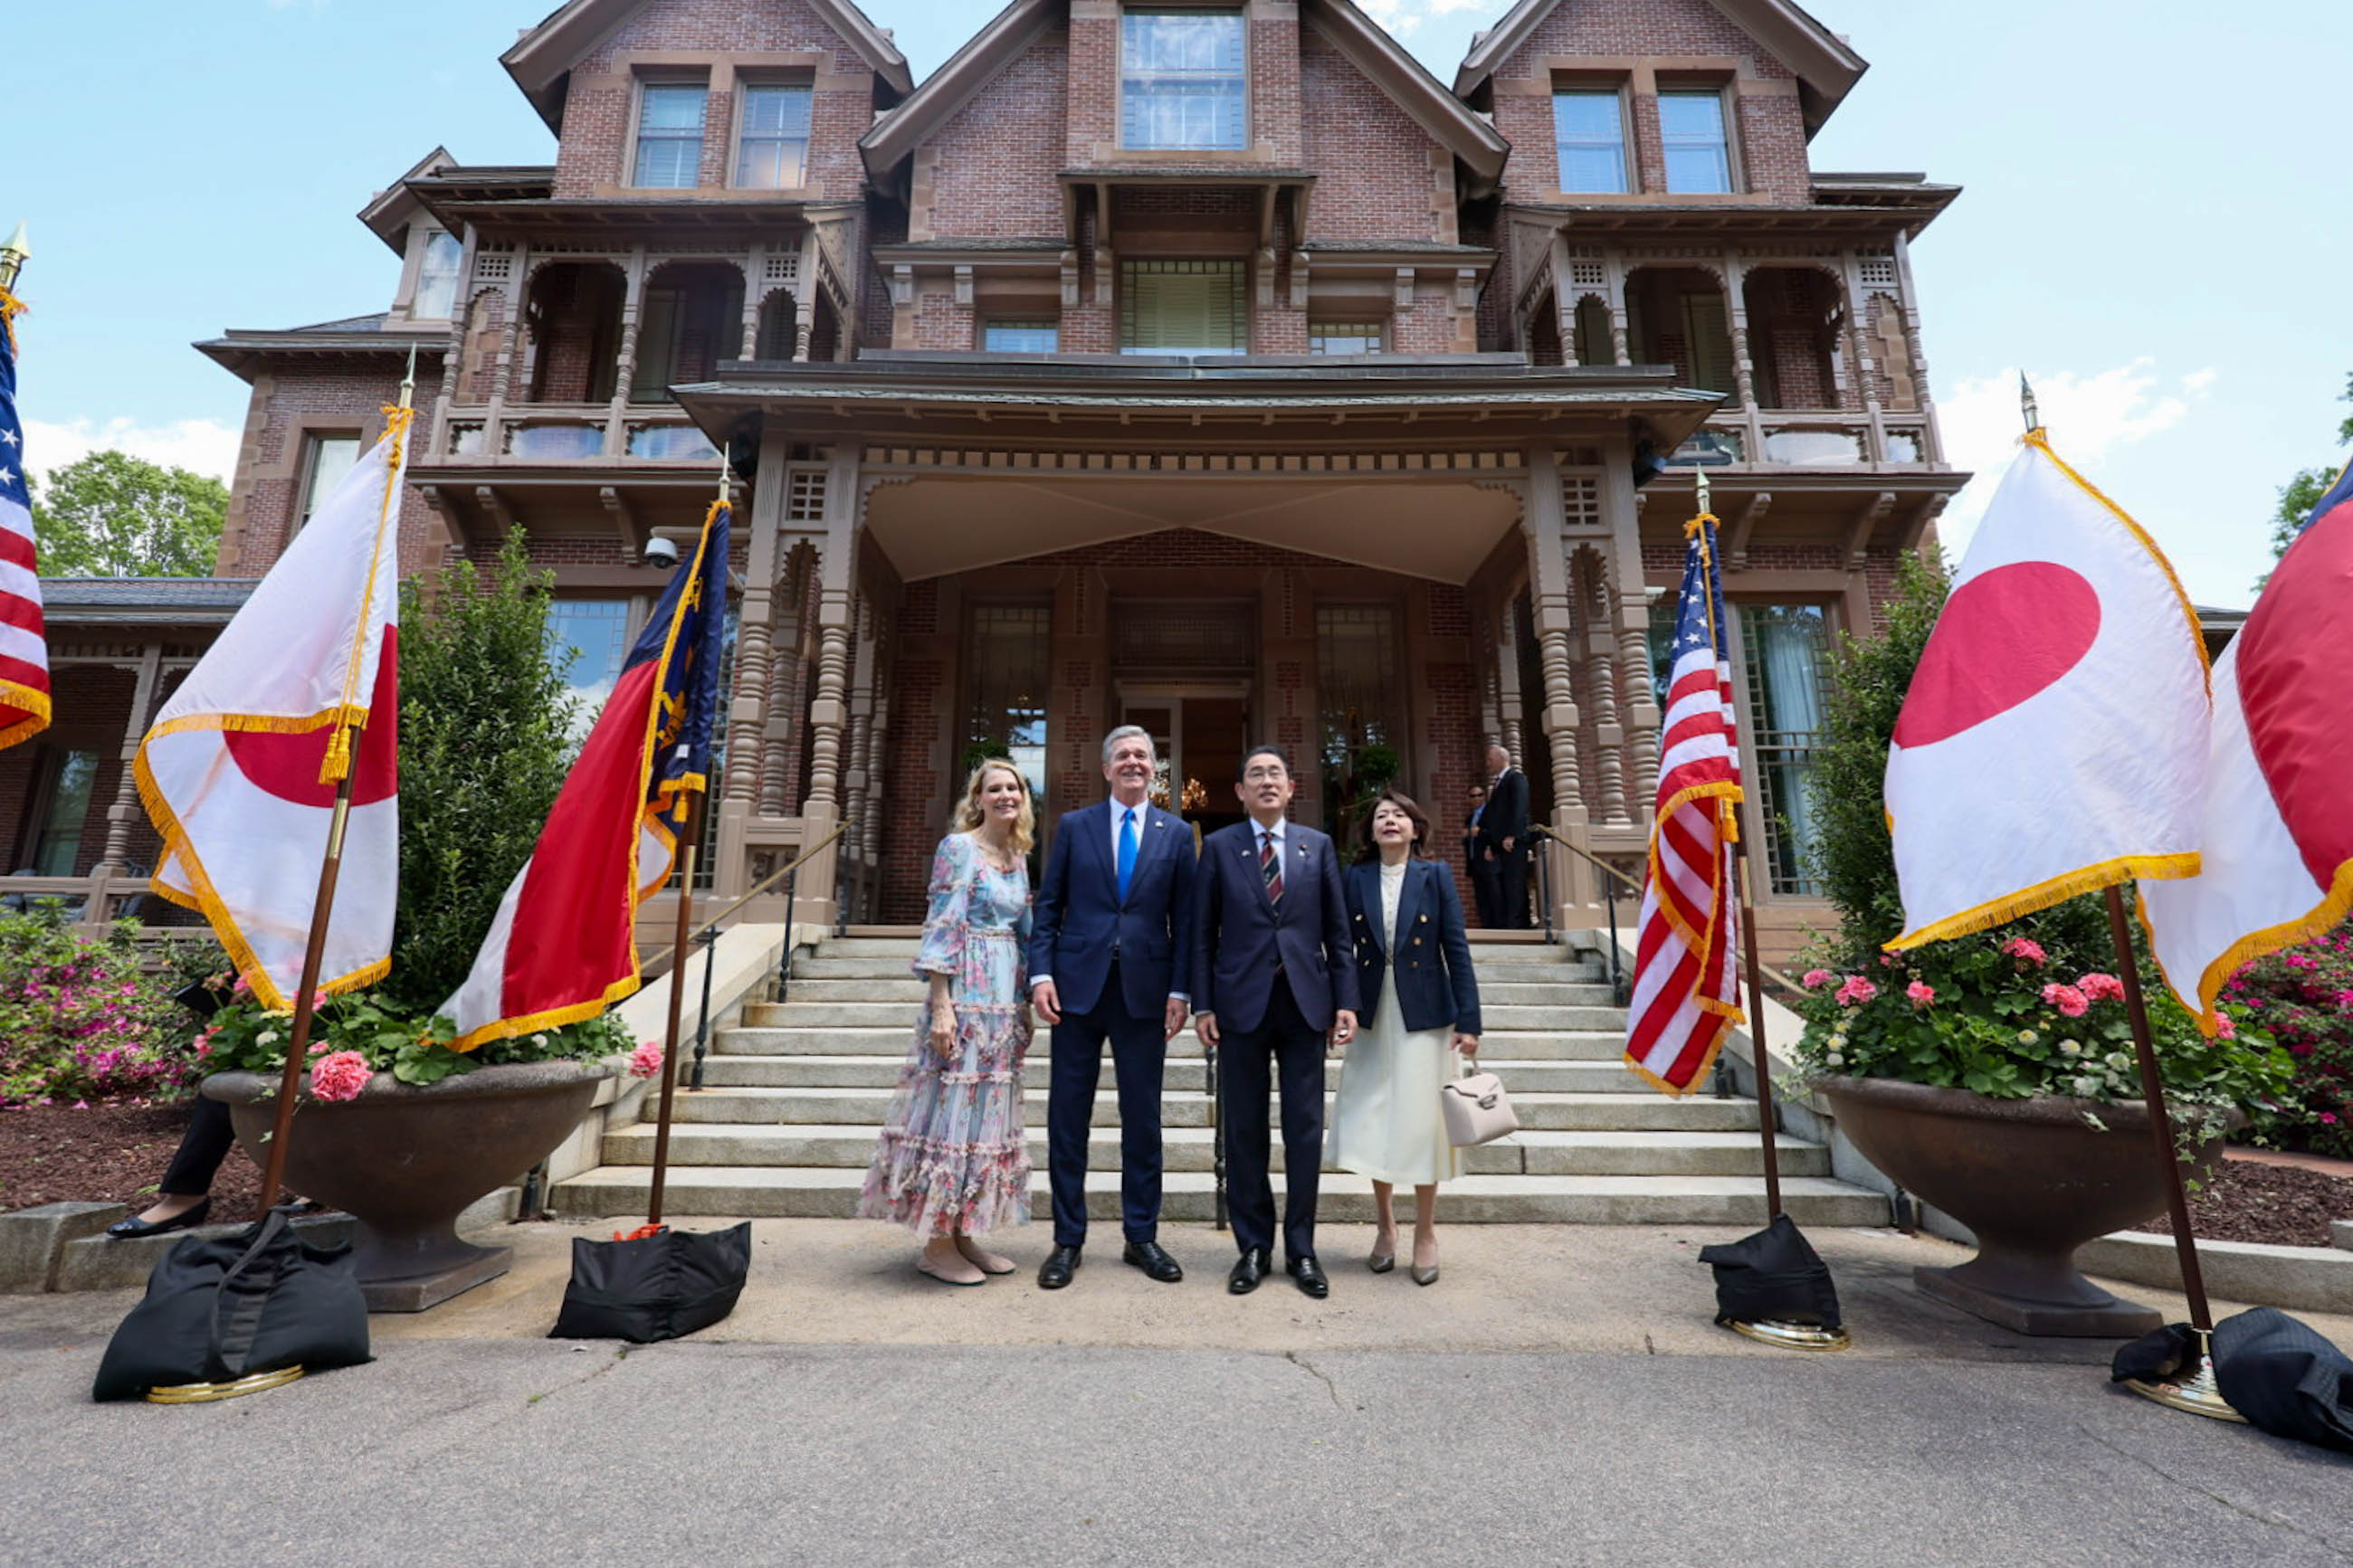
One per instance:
(134, 1227)
(1154, 1259)
(1308, 1275)
(1056, 1271)
(1248, 1270)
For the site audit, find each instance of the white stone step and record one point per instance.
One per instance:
(906, 991)
(731, 1071)
(814, 1014)
(1637, 1107)
(1191, 1149)
(820, 1192)
(1592, 1044)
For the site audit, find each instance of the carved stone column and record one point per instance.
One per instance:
(829, 713)
(125, 810)
(1622, 561)
(1736, 311)
(1508, 704)
(1601, 653)
(1548, 591)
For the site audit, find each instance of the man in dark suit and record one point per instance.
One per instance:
(1486, 890)
(1109, 950)
(1503, 825)
(1273, 973)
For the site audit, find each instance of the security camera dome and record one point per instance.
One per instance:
(662, 552)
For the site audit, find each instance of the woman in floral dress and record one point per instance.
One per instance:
(951, 1163)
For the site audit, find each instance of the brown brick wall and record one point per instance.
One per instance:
(594, 151)
(1766, 120)
(990, 170)
(287, 405)
(1374, 179)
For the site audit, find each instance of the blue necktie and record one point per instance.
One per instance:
(1126, 852)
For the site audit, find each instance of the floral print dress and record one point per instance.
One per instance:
(951, 1158)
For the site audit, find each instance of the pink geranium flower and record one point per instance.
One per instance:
(1921, 992)
(1815, 979)
(2022, 948)
(646, 1060)
(2066, 998)
(340, 1077)
(2329, 1118)
(1856, 990)
(2101, 987)
(2224, 1029)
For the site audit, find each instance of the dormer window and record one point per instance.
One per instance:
(1699, 159)
(437, 278)
(772, 146)
(1182, 80)
(670, 135)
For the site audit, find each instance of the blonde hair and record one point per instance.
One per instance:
(968, 814)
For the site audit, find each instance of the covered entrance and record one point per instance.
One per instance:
(1201, 731)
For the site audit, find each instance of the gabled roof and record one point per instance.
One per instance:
(1468, 135)
(247, 353)
(389, 212)
(541, 60)
(1826, 68)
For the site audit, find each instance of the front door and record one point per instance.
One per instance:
(1201, 733)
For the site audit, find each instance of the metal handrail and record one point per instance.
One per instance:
(1632, 885)
(710, 926)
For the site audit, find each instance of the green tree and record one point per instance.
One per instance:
(485, 745)
(110, 514)
(2302, 493)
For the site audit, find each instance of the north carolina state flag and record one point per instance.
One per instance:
(563, 946)
(236, 772)
(2053, 739)
(2276, 815)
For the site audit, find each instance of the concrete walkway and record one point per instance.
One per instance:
(1558, 1396)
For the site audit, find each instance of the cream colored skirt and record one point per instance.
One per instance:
(1385, 1121)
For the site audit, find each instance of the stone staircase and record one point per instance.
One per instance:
(794, 1095)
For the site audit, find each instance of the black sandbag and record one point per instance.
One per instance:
(2155, 1357)
(1774, 1275)
(221, 1308)
(652, 1288)
(2285, 1378)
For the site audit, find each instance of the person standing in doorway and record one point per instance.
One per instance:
(1486, 890)
(1504, 826)
(1108, 961)
(1274, 979)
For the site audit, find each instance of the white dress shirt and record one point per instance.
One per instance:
(1143, 824)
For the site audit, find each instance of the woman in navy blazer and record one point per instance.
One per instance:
(1420, 1018)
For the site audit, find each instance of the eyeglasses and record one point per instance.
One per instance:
(1266, 775)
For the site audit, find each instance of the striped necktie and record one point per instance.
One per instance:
(1269, 866)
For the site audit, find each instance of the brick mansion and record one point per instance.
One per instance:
(1205, 364)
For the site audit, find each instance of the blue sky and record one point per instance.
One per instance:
(2155, 222)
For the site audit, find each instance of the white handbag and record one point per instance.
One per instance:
(1477, 1109)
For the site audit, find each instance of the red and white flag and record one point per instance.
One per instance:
(1686, 992)
(24, 638)
(2053, 738)
(2275, 828)
(240, 768)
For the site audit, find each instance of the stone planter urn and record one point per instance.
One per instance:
(405, 1161)
(2032, 1179)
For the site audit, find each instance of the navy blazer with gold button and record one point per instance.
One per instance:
(1435, 986)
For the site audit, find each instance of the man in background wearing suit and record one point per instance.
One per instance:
(1272, 972)
(1486, 890)
(1504, 826)
(1109, 950)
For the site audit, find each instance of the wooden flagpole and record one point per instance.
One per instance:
(345, 739)
(1728, 820)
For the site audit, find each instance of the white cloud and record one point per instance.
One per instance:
(202, 446)
(1403, 17)
(2089, 417)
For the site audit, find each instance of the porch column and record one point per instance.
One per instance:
(1735, 312)
(121, 814)
(858, 754)
(1564, 297)
(830, 711)
(787, 684)
(747, 705)
(1933, 443)
(1623, 563)
(1618, 338)
(625, 359)
(1549, 594)
(1508, 706)
(1591, 578)
(804, 295)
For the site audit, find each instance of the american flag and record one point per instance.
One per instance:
(24, 641)
(1686, 987)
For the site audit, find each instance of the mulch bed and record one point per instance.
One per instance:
(2284, 1204)
(106, 1153)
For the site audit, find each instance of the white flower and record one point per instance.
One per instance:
(2027, 1037)
(540, 1040)
(1838, 1042)
(2071, 1048)
(1834, 1059)
(2089, 1088)
(2120, 1062)
(267, 1037)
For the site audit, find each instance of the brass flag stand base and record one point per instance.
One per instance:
(2194, 1390)
(206, 1393)
(1792, 1336)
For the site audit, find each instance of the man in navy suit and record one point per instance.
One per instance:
(1273, 973)
(1109, 950)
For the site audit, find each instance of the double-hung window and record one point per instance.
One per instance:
(670, 135)
(1182, 80)
(1589, 128)
(1183, 308)
(1699, 159)
(772, 145)
(326, 458)
(587, 639)
(437, 278)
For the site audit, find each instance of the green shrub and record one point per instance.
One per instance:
(83, 1017)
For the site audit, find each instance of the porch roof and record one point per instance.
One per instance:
(1500, 394)
(144, 601)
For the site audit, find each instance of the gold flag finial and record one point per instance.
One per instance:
(1699, 484)
(2026, 404)
(13, 257)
